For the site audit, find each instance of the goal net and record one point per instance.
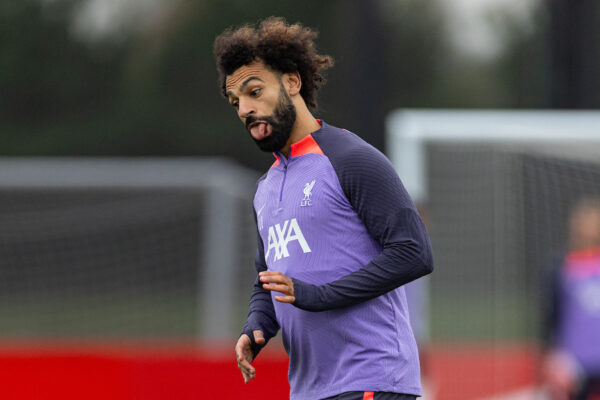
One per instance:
(124, 248)
(496, 189)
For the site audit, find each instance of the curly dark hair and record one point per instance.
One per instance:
(284, 48)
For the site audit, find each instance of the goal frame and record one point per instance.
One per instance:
(409, 130)
(224, 184)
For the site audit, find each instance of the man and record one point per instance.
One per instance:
(572, 363)
(338, 235)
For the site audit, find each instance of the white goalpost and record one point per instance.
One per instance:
(496, 188)
(409, 131)
(125, 247)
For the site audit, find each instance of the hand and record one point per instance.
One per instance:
(560, 373)
(278, 282)
(244, 354)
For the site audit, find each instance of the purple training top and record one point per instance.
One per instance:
(335, 218)
(579, 319)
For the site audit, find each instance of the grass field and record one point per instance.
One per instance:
(483, 318)
(161, 314)
(176, 314)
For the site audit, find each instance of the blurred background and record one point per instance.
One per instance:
(126, 231)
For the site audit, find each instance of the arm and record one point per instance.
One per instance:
(380, 200)
(551, 302)
(261, 324)
(560, 371)
(261, 316)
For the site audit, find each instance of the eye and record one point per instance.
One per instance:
(235, 104)
(255, 92)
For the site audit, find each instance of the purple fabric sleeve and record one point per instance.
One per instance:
(377, 195)
(262, 313)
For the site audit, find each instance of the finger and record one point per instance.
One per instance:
(285, 299)
(284, 289)
(244, 365)
(269, 273)
(244, 357)
(243, 361)
(247, 376)
(259, 337)
(275, 279)
(243, 353)
(246, 368)
(243, 349)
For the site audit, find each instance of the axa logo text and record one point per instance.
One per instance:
(280, 236)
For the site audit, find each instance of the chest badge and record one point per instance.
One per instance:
(307, 199)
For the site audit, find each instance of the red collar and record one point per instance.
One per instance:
(306, 145)
(584, 254)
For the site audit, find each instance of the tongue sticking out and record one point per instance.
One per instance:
(260, 131)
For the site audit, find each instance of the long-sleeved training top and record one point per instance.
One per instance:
(575, 315)
(335, 218)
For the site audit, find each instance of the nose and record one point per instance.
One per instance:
(245, 108)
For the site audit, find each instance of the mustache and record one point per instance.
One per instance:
(252, 119)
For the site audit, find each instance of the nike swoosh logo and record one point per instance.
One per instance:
(260, 210)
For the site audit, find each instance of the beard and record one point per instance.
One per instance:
(282, 121)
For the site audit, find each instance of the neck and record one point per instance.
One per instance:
(304, 125)
(583, 246)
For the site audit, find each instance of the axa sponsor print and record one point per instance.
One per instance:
(280, 236)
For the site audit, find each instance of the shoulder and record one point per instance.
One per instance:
(365, 174)
(262, 178)
(258, 184)
(259, 181)
(347, 151)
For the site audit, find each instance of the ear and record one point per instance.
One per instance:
(292, 82)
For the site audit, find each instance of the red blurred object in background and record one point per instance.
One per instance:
(153, 371)
(127, 373)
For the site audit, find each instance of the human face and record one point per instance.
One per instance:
(262, 104)
(585, 228)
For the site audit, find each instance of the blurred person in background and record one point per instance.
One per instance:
(572, 364)
(338, 235)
